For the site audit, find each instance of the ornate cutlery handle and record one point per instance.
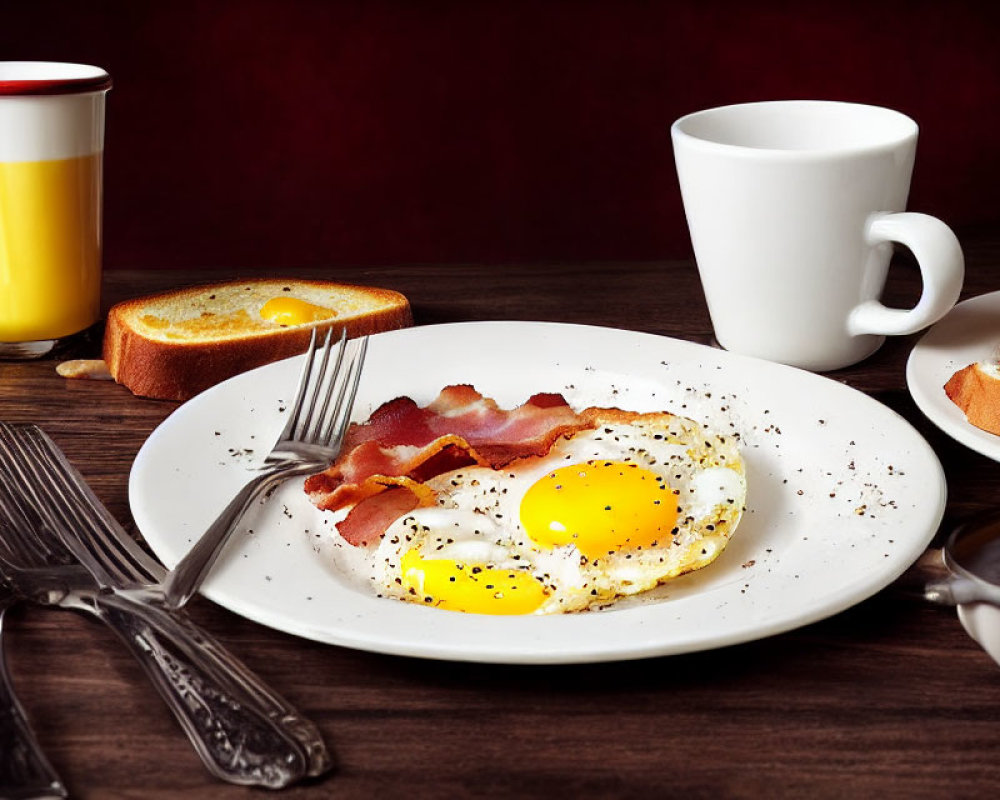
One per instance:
(25, 773)
(243, 731)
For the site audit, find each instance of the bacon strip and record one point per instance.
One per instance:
(368, 520)
(463, 412)
(402, 445)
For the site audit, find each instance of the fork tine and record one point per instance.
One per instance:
(315, 386)
(75, 511)
(300, 391)
(99, 533)
(96, 529)
(315, 390)
(328, 378)
(15, 522)
(22, 514)
(29, 483)
(50, 508)
(67, 514)
(336, 427)
(12, 518)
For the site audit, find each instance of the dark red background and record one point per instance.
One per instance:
(296, 133)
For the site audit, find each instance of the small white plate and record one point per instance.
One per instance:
(970, 332)
(843, 495)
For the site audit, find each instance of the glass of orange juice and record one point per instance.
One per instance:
(51, 157)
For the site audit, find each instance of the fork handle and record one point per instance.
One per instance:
(25, 772)
(185, 578)
(243, 732)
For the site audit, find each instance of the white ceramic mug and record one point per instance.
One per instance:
(51, 163)
(793, 208)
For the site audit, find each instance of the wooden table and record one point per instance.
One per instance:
(890, 698)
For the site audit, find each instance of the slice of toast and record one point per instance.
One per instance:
(976, 390)
(176, 344)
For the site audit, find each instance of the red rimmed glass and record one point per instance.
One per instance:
(51, 192)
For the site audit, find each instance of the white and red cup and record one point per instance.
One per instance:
(51, 187)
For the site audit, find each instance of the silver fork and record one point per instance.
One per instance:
(244, 732)
(310, 442)
(25, 772)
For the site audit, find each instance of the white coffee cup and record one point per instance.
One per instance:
(793, 208)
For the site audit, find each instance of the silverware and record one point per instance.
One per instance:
(971, 558)
(242, 730)
(956, 590)
(25, 772)
(310, 442)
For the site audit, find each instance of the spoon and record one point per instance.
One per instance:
(971, 556)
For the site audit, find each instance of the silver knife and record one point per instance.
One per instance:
(25, 772)
(237, 741)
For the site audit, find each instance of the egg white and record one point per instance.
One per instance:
(477, 517)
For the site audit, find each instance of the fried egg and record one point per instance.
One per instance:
(608, 512)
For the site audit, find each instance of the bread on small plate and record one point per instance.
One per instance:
(176, 344)
(976, 390)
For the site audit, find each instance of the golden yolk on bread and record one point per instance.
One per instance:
(471, 588)
(292, 311)
(599, 506)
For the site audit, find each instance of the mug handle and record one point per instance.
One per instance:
(942, 268)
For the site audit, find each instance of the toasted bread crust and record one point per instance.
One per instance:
(178, 370)
(977, 393)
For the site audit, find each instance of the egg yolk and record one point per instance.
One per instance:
(600, 506)
(473, 589)
(292, 311)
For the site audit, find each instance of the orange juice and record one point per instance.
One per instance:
(50, 247)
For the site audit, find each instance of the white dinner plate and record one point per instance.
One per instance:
(968, 333)
(843, 495)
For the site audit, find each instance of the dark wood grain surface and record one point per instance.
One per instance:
(889, 698)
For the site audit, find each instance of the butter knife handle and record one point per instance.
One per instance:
(25, 772)
(228, 714)
(235, 673)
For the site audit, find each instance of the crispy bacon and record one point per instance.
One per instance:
(463, 412)
(368, 520)
(402, 445)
